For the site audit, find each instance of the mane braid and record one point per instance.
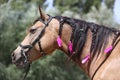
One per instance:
(100, 36)
(79, 35)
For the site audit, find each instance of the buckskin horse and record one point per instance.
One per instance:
(95, 48)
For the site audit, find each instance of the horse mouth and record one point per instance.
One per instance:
(20, 63)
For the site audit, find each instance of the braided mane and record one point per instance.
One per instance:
(100, 36)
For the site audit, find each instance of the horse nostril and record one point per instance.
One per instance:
(13, 56)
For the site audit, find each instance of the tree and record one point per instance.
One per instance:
(17, 15)
(80, 5)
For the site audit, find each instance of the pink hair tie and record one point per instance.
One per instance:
(86, 59)
(70, 47)
(59, 41)
(108, 49)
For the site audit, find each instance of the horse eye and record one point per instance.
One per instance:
(32, 31)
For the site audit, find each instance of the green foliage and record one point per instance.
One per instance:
(98, 15)
(66, 4)
(76, 5)
(49, 68)
(89, 3)
(2, 1)
(9, 31)
(2, 72)
(9, 73)
(109, 3)
(46, 68)
(17, 15)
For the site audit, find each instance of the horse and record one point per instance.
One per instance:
(95, 48)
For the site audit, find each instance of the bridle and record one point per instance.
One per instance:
(24, 53)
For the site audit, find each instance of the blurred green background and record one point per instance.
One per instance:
(17, 15)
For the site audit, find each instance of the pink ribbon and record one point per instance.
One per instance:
(85, 59)
(59, 41)
(108, 49)
(70, 47)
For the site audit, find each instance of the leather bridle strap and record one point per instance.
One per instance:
(40, 48)
(37, 40)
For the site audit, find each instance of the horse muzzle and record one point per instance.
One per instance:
(19, 60)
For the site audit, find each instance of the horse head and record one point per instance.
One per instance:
(40, 40)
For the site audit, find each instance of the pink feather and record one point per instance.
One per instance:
(108, 49)
(59, 41)
(70, 47)
(86, 59)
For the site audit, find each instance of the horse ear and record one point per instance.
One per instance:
(44, 16)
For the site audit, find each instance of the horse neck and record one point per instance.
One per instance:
(90, 66)
(65, 36)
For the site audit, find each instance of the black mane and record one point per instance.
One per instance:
(100, 35)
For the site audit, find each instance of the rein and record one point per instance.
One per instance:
(108, 54)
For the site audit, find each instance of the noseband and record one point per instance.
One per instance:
(26, 48)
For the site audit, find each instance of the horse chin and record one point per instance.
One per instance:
(22, 64)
